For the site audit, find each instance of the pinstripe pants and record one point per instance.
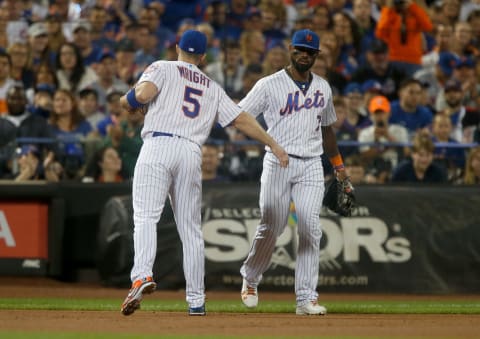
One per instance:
(303, 182)
(169, 166)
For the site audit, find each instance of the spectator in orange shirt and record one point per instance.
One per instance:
(401, 25)
(5, 81)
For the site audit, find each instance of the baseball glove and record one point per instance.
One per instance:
(339, 197)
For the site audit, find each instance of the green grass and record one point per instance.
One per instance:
(38, 335)
(230, 306)
(226, 306)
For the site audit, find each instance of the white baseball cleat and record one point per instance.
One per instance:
(311, 308)
(249, 295)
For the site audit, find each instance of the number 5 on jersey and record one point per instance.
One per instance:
(191, 108)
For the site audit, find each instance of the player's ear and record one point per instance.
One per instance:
(202, 58)
(177, 49)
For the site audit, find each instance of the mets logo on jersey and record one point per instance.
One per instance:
(293, 104)
(150, 68)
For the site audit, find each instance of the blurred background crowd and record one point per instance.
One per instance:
(405, 76)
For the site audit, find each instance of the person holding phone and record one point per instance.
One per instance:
(384, 153)
(402, 24)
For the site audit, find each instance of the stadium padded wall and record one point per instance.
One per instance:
(405, 239)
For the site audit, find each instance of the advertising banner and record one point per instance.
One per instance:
(398, 240)
(24, 230)
(402, 239)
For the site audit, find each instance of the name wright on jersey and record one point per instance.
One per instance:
(193, 76)
(293, 102)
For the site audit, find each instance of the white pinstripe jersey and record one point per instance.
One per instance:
(294, 119)
(188, 102)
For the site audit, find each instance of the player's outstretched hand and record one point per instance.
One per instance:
(281, 155)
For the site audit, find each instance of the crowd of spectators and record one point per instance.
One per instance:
(405, 76)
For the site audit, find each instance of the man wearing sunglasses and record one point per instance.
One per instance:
(299, 113)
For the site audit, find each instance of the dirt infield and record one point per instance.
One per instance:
(246, 324)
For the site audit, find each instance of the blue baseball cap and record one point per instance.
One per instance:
(104, 55)
(306, 38)
(27, 149)
(44, 87)
(352, 87)
(371, 85)
(193, 42)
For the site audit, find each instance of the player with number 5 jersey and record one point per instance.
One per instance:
(181, 104)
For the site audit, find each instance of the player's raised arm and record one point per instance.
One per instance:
(249, 126)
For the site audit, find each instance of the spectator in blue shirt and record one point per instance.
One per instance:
(114, 113)
(70, 128)
(151, 17)
(407, 111)
(101, 33)
(216, 14)
(106, 69)
(362, 15)
(144, 55)
(273, 21)
(66, 119)
(378, 67)
(82, 39)
(355, 120)
(177, 10)
(237, 13)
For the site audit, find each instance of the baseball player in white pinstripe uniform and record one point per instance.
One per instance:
(298, 110)
(181, 105)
